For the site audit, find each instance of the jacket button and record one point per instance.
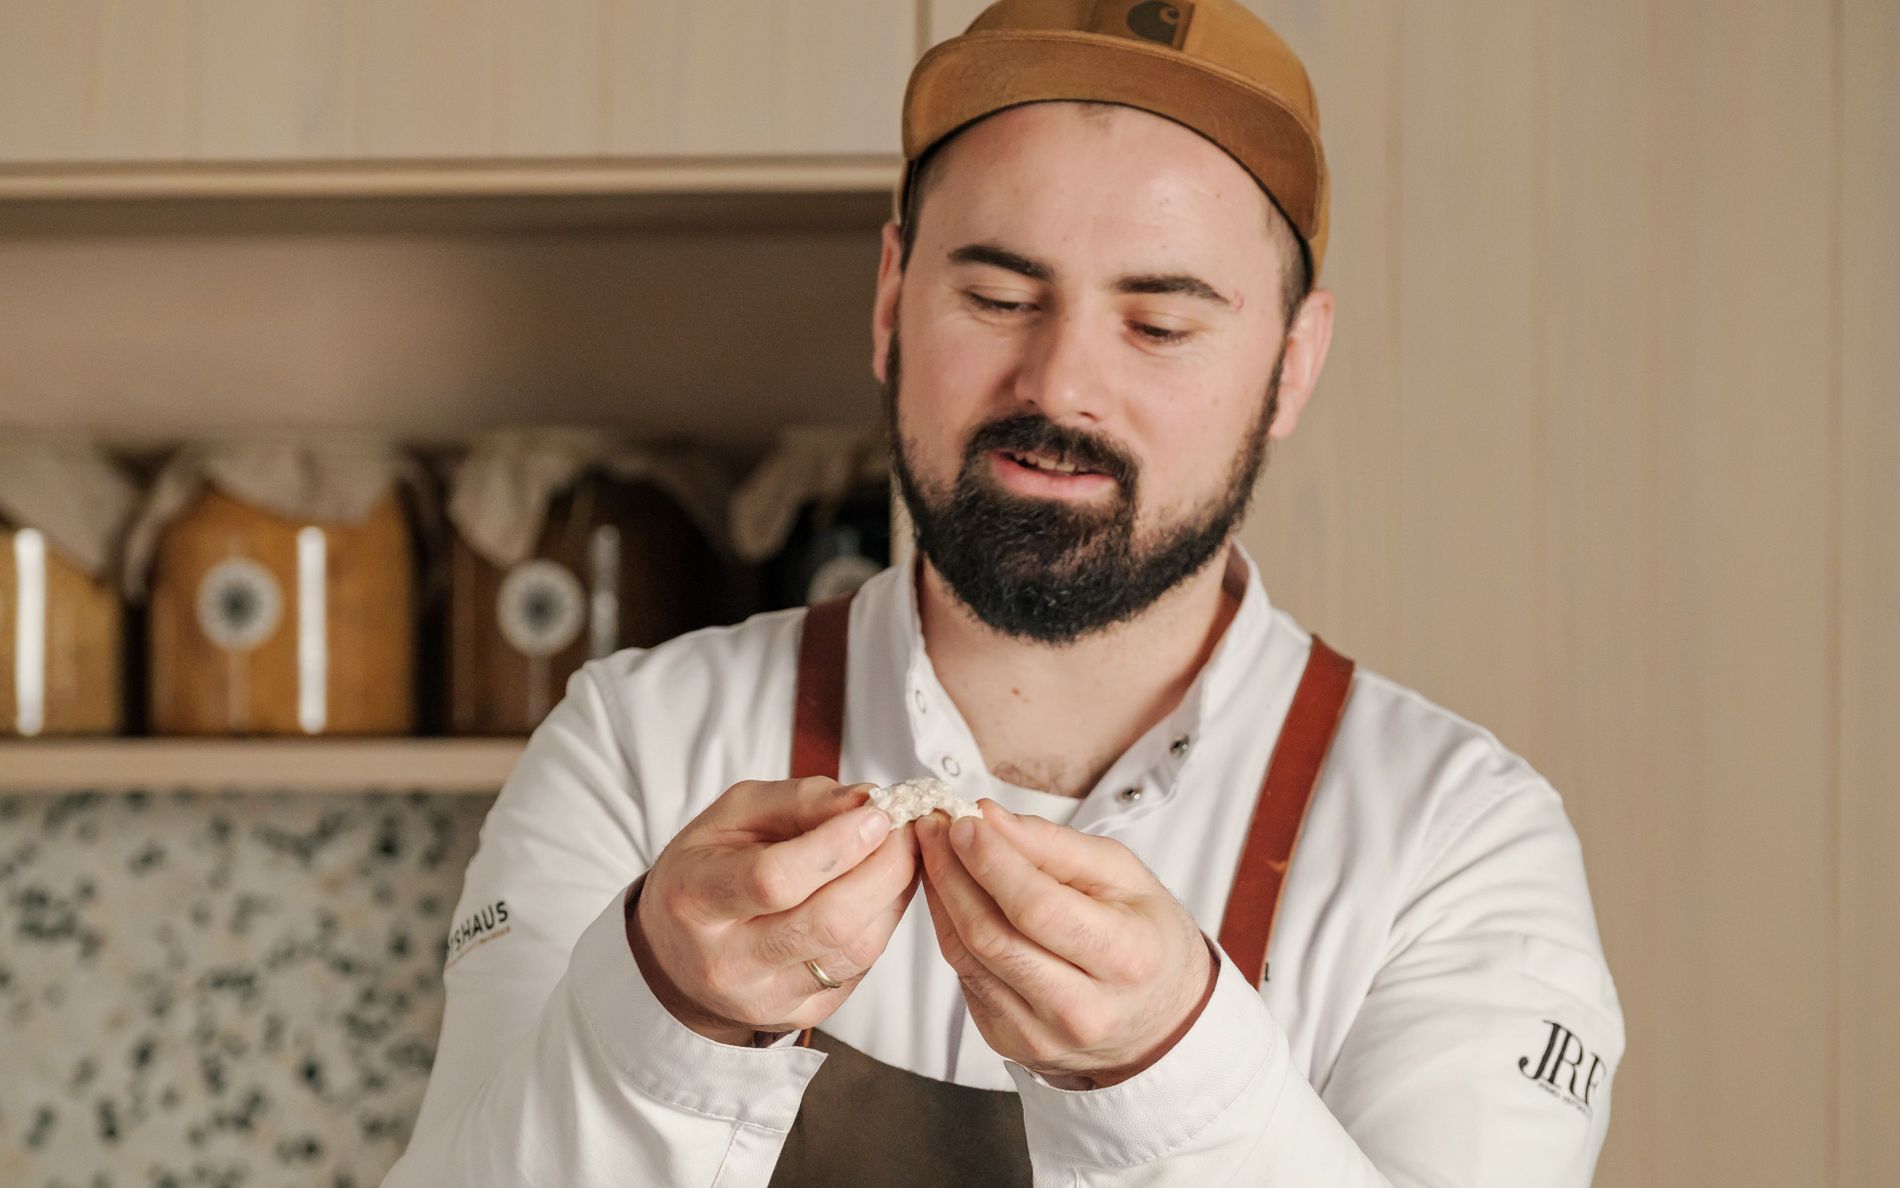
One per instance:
(1179, 746)
(951, 766)
(917, 695)
(1129, 795)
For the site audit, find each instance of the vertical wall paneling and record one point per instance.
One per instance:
(1741, 792)
(274, 80)
(426, 78)
(143, 81)
(1869, 308)
(44, 79)
(1602, 729)
(846, 65)
(951, 17)
(752, 77)
(1321, 520)
(670, 69)
(1470, 407)
(239, 80)
(550, 93)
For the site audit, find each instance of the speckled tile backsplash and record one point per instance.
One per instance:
(220, 989)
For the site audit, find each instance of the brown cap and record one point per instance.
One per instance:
(1209, 64)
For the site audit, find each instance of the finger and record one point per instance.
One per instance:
(839, 912)
(849, 964)
(775, 810)
(1047, 912)
(749, 881)
(986, 933)
(1093, 865)
(982, 990)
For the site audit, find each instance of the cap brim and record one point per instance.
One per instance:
(977, 74)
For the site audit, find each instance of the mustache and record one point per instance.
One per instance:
(1029, 433)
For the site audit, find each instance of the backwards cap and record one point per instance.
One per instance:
(1208, 64)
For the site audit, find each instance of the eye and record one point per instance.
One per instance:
(995, 306)
(1157, 334)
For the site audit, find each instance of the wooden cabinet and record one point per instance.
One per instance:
(299, 80)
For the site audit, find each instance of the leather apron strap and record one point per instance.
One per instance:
(1307, 734)
(818, 706)
(866, 1122)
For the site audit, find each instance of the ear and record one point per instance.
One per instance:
(890, 279)
(1304, 356)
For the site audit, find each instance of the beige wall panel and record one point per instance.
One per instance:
(45, 96)
(436, 336)
(425, 78)
(144, 96)
(757, 76)
(1322, 515)
(951, 17)
(1469, 523)
(97, 80)
(1601, 742)
(1870, 594)
(273, 80)
(1745, 918)
(550, 90)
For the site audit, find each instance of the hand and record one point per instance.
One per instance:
(1075, 961)
(772, 874)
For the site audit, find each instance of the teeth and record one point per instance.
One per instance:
(1039, 463)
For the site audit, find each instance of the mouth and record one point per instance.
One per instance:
(1037, 472)
(1047, 463)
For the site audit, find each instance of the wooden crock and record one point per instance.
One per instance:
(224, 662)
(618, 565)
(77, 661)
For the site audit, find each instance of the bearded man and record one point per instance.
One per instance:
(1095, 311)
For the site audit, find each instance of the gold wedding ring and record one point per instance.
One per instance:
(824, 979)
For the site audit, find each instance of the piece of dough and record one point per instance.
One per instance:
(919, 798)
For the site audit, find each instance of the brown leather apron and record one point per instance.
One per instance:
(864, 1122)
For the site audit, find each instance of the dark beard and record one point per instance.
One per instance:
(1052, 572)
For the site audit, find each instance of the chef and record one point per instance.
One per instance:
(1233, 909)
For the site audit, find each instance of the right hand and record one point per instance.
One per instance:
(772, 874)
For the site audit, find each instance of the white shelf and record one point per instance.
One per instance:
(463, 765)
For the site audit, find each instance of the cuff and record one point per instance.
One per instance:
(1166, 1105)
(661, 1057)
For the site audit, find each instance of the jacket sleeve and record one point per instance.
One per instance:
(1480, 1057)
(556, 1067)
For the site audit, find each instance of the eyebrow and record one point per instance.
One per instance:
(1184, 283)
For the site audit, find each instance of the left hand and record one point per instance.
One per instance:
(1075, 961)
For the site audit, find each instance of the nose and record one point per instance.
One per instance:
(1059, 377)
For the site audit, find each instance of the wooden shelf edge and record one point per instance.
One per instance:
(58, 181)
(472, 765)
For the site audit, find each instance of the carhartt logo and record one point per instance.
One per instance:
(1560, 1070)
(1159, 21)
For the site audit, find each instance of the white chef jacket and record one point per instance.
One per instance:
(1438, 1010)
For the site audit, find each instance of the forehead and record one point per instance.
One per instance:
(1104, 175)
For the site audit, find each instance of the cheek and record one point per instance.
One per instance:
(969, 361)
(951, 375)
(1186, 436)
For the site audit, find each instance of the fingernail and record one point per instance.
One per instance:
(873, 824)
(963, 832)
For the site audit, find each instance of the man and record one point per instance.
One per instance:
(1094, 315)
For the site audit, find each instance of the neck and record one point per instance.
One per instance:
(1057, 717)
